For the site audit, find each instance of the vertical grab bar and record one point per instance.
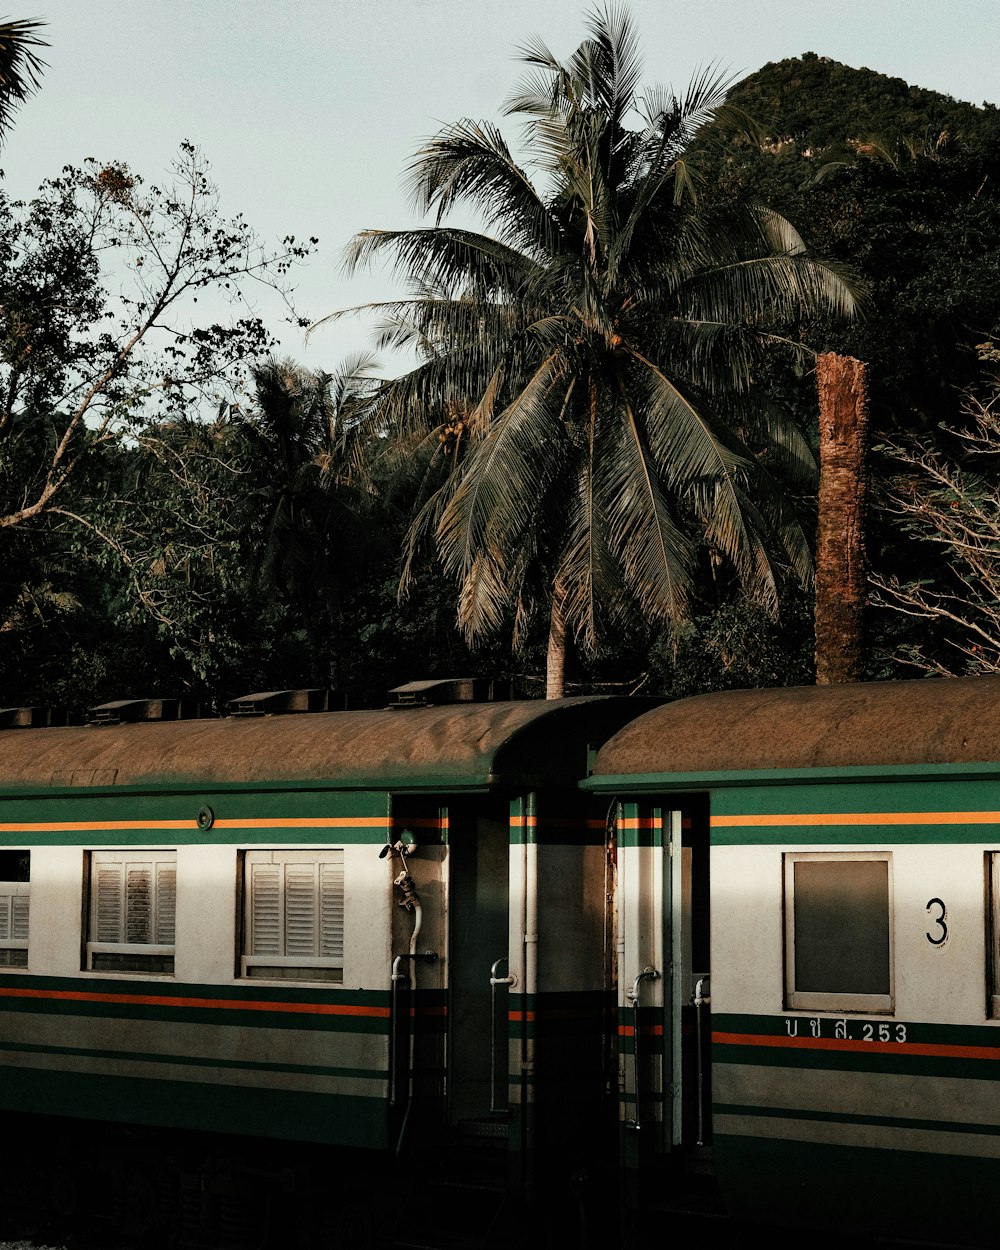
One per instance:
(701, 999)
(495, 980)
(647, 974)
(398, 975)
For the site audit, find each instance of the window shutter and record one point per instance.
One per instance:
(19, 918)
(166, 903)
(5, 910)
(139, 904)
(300, 910)
(265, 909)
(331, 893)
(109, 903)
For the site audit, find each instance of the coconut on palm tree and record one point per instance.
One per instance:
(586, 362)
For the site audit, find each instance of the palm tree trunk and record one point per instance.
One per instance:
(841, 563)
(555, 660)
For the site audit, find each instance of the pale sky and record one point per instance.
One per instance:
(308, 110)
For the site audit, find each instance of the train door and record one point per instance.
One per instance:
(663, 990)
(478, 858)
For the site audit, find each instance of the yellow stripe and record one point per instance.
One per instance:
(860, 818)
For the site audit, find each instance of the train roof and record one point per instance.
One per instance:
(465, 745)
(873, 725)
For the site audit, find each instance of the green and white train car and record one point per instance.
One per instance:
(377, 933)
(832, 857)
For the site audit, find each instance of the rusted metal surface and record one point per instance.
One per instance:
(462, 742)
(931, 721)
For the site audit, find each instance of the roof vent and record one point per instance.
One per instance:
(121, 711)
(32, 717)
(449, 690)
(282, 702)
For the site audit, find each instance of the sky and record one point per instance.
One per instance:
(309, 110)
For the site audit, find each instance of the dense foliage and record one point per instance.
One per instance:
(182, 513)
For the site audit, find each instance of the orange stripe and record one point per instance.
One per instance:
(559, 822)
(853, 1044)
(639, 822)
(312, 822)
(276, 822)
(75, 826)
(163, 1000)
(647, 1030)
(860, 818)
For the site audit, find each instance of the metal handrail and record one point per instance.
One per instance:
(647, 974)
(398, 974)
(701, 999)
(495, 980)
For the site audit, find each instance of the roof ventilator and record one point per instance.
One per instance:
(33, 717)
(284, 702)
(121, 711)
(449, 690)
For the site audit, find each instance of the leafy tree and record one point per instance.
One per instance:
(587, 365)
(78, 363)
(303, 514)
(948, 505)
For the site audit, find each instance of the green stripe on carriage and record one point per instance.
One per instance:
(240, 815)
(956, 810)
(243, 1006)
(878, 775)
(917, 1031)
(335, 1119)
(195, 1061)
(832, 1117)
(912, 1047)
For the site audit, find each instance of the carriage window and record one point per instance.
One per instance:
(133, 897)
(14, 899)
(838, 932)
(993, 864)
(293, 923)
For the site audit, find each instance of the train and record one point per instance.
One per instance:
(474, 972)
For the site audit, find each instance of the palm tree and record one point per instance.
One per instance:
(304, 526)
(20, 67)
(586, 363)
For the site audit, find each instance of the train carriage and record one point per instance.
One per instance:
(842, 843)
(378, 934)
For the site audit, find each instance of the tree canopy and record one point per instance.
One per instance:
(588, 362)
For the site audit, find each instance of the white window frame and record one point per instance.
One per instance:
(802, 1000)
(155, 860)
(251, 957)
(9, 891)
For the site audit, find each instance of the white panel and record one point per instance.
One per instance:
(56, 910)
(206, 915)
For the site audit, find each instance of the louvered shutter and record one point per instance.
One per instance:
(166, 903)
(19, 917)
(14, 908)
(132, 911)
(331, 894)
(109, 898)
(138, 904)
(301, 918)
(294, 914)
(265, 909)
